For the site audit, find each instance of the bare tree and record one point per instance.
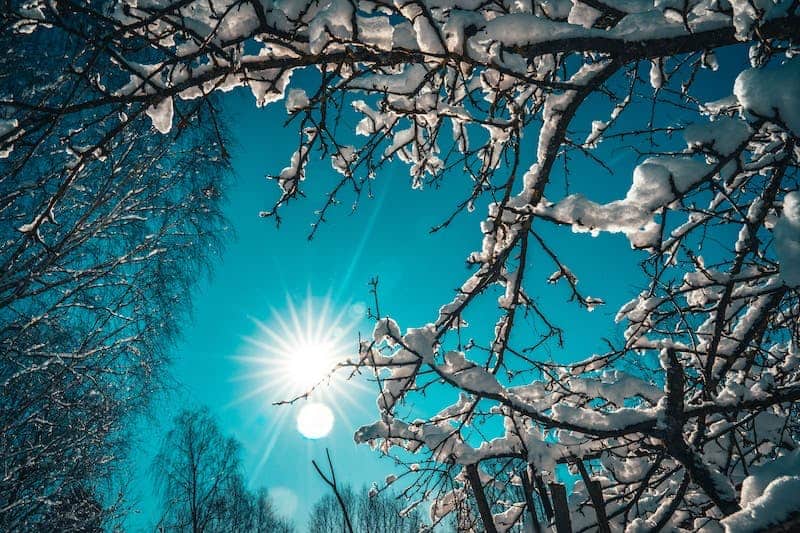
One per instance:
(383, 511)
(93, 293)
(327, 513)
(369, 511)
(684, 422)
(199, 475)
(266, 518)
(77, 509)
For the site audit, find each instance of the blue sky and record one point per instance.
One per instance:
(262, 268)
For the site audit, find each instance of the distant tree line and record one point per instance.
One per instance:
(369, 512)
(201, 487)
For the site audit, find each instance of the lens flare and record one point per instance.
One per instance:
(315, 420)
(294, 356)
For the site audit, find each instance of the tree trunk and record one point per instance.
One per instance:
(526, 486)
(563, 523)
(480, 498)
(596, 494)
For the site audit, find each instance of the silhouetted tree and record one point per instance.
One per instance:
(327, 514)
(266, 518)
(199, 477)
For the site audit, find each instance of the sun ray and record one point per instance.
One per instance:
(296, 352)
(272, 439)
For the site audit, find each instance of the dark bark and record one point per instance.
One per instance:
(480, 498)
(561, 504)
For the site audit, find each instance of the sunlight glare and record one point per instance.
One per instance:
(285, 501)
(315, 420)
(297, 352)
(310, 361)
(292, 359)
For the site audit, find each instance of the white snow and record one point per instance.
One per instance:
(334, 21)
(655, 184)
(296, 100)
(7, 126)
(723, 135)
(268, 85)
(772, 93)
(656, 73)
(161, 114)
(787, 239)
(386, 329)
(769, 496)
(375, 31)
(341, 160)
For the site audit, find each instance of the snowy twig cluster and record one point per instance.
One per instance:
(688, 422)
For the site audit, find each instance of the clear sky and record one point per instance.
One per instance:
(264, 270)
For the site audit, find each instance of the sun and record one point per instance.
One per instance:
(309, 361)
(299, 356)
(296, 352)
(298, 349)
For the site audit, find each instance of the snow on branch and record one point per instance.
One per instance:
(534, 107)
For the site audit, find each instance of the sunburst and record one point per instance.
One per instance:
(294, 356)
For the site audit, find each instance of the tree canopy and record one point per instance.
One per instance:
(92, 293)
(686, 422)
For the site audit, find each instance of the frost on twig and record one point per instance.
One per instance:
(535, 107)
